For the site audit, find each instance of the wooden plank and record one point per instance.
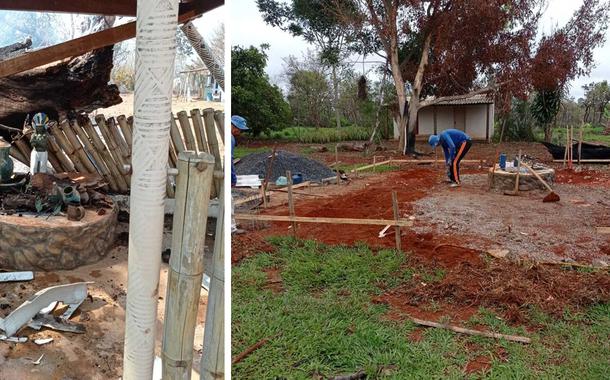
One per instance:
(307, 219)
(371, 166)
(291, 202)
(432, 161)
(108, 8)
(82, 45)
(590, 161)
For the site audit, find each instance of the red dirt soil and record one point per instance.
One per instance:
(468, 283)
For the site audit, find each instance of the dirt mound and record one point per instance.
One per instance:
(257, 163)
(507, 288)
(247, 245)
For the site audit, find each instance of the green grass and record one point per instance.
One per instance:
(319, 135)
(241, 151)
(323, 323)
(591, 133)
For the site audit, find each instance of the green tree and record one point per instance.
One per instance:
(309, 97)
(252, 96)
(315, 21)
(545, 107)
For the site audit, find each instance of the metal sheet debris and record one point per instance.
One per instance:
(68, 294)
(16, 276)
(13, 339)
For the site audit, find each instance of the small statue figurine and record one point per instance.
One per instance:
(39, 141)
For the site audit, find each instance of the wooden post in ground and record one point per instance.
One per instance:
(582, 124)
(336, 154)
(565, 151)
(291, 202)
(396, 218)
(194, 182)
(212, 361)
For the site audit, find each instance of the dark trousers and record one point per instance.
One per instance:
(454, 169)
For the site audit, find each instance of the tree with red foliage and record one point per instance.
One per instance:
(451, 49)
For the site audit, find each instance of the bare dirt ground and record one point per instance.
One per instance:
(454, 227)
(178, 104)
(98, 353)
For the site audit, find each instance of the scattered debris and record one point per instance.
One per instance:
(383, 233)
(44, 341)
(69, 294)
(498, 253)
(354, 376)
(461, 330)
(37, 362)
(13, 339)
(251, 349)
(16, 276)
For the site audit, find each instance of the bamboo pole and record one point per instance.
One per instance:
(119, 140)
(67, 148)
(23, 147)
(194, 181)
(66, 164)
(291, 202)
(19, 156)
(176, 137)
(116, 153)
(130, 125)
(396, 218)
(326, 220)
(126, 130)
(212, 362)
(219, 116)
(100, 164)
(77, 145)
(199, 131)
(113, 166)
(187, 131)
(214, 146)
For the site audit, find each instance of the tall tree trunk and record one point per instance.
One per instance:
(414, 104)
(399, 83)
(336, 96)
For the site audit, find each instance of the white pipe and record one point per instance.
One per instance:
(155, 56)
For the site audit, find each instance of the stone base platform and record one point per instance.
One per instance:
(505, 180)
(31, 242)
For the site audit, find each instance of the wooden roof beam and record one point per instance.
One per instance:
(82, 45)
(96, 7)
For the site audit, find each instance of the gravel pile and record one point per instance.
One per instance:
(256, 163)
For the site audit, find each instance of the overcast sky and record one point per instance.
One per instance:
(248, 28)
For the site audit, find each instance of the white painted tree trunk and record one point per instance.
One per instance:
(155, 56)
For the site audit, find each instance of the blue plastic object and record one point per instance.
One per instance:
(503, 161)
(297, 178)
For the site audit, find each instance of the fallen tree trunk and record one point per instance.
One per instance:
(80, 84)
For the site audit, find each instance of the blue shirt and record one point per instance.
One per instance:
(233, 175)
(449, 140)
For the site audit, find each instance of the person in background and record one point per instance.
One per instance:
(455, 144)
(238, 124)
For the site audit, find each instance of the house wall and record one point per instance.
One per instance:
(473, 120)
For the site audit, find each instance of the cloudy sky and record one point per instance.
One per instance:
(248, 28)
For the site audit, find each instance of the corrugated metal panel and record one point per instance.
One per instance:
(477, 99)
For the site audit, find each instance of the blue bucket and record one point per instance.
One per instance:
(502, 161)
(297, 178)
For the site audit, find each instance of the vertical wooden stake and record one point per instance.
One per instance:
(582, 125)
(374, 162)
(396, 217)
(565, 151)
(194, 183)
(291, 202)
(336, 154)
